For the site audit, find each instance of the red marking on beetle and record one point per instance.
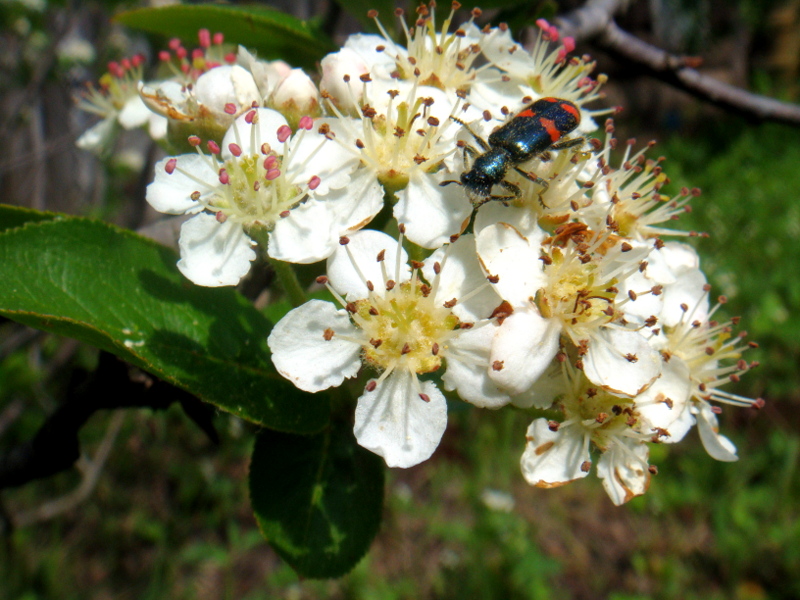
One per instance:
(550, 99)
(551, 129)
(572, 109)
(526, 113)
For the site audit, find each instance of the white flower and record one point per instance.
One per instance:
(117, 102)
(712, 356)
(565, 285)
(402, 327)
(544, 71)
(294, 187)
(211, 103)
(557, 453)
(628, 198)
(406, 141)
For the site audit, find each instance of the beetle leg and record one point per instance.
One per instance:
(533, 177)
(567, 143)
(481, 142)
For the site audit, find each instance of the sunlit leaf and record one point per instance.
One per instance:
(271, 33)
(121, 292)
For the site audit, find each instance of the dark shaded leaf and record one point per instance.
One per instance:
(317, 499)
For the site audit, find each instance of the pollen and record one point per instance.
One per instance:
(406, 328)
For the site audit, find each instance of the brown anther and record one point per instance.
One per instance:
(497, 365)
(390, 285)
(450, 303)
(425, 397)
(351, 307)
(601, 417)
(553, 425)
(327, 335)
(360, 144)
(370, 286)
(435, 349)
(546, 259)
(652, 469)
(466, 325)
(502, 312)
(375, 343)
(371, 385)
(419, 159)
(709, 350)
(657, 290)
(586, 466)
(416, 264)
(406, 349)
(322, 280)
(631, 358)
(373, 311)
(632, 295)
(626, 247)
(493, 278)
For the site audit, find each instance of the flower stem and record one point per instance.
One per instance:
(289, 282)
(285, 271)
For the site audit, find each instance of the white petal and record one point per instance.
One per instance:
(606, 365)
(171, 193)
(460, 275)
(687, 290)
(157, 126)
(134, 114)
(226, 84)
(167, 98)
(524, 345)
(665, 404)
(314, 154)
(301, 353)
(467, 372)
(507, 254)
(718, 446)
(544, 390)
(523, 219)
(312, 230)
(394, 422)
(250, 137)
(645, 305)
(554, 458)
(98, 137)
(214, 253)
(364, 248)
(431, 213)
(296, 92)
(623, 470)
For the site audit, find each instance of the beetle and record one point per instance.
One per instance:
(535, 129)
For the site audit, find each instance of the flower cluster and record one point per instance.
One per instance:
(552, 290)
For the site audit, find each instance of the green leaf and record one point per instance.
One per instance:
(121, 292)
(271, 33)
(16, 216)
(385, 9)
(317, 499)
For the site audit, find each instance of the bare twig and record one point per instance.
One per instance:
(90, 472)
(594, 22)
(589, 20)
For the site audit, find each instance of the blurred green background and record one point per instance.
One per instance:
(169, 515)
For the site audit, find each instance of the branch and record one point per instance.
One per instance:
(594, 22)
(55, 447)
(90, 473)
